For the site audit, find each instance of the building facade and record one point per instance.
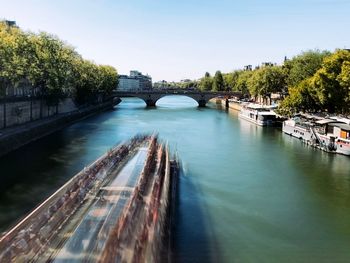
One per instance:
(10, 23)
(136, 81)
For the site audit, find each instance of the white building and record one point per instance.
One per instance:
(136, 81)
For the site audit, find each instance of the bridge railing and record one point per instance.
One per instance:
(177, 91)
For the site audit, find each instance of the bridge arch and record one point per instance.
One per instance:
(139, 101)
(173, 100)
(151, 100)
(151, 97)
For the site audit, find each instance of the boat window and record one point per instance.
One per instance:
(267, 117)
(330, 129)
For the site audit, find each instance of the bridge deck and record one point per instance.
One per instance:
(152, 96)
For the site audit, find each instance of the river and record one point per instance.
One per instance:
(246, 193)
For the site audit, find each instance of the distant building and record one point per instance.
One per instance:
(10, 23)
(267, 64)
(248, 68)
(136, 81)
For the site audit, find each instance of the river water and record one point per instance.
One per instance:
(246, 193)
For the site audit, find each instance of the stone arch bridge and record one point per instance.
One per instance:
(150, 97)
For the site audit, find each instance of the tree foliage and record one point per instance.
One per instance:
(206, 83)
(301, 98)
(230, 80)
(52, 66)
(266, 80)
(242, 81)
(309, 82)
(303, 66)
(327, 90)
(218, 82)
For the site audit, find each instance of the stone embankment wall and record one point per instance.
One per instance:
(235, 105)
(24, 131)
(18, 110)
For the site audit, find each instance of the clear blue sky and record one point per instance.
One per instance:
(179, 39)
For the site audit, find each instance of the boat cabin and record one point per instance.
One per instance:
(258, 114)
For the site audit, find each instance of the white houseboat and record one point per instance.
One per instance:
(335, 137)
(299, 127)
(331, 135)
(258, 114)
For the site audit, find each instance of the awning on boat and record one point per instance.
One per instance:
(343, 126)
(341, 119)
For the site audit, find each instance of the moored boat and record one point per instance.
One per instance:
(258, 114)
(328, 134)
(298, 127)
(115, 209)
(335, 137)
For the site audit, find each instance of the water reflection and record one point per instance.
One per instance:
(199, 244)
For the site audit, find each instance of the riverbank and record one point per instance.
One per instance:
(15, 137)
(235, 105)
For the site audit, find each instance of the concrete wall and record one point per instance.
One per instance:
(31, 131)
(19, 112)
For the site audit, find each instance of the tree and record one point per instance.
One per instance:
(327, 90)
(85, 82)
(330, 82)
(230, 80)
(303, 66)
(218, 82)
(206, 82)
(13, 54)
(51, 66)
(266, 80)
(242, 82)
(109, 79)
(13, 62)
(302, 98)
(344, 80)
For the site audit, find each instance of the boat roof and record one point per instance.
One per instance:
(272, 107)
(266, 113)
(257, 106)
(326, 121)
(342, 119)
(342, 126)
(310, 116)
(254, 106)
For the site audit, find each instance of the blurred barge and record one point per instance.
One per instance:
(115, 210)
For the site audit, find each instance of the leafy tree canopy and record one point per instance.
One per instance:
(50, 65)
(206, 83)
(218, 82)
(303, 66)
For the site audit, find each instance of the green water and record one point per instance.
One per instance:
(246, 194)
